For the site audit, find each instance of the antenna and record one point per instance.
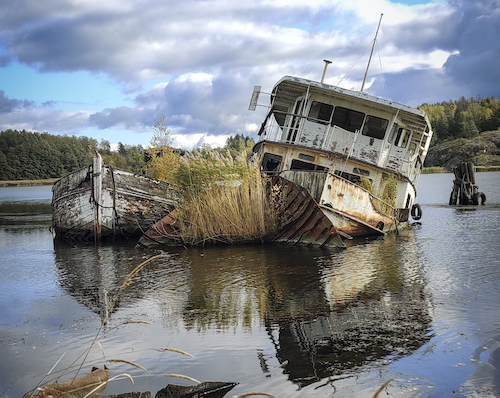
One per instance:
(371, 53)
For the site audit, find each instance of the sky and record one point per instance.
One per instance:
(109, 70)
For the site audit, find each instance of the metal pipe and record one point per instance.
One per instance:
(324, 70)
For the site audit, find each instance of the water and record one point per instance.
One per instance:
(419, 310)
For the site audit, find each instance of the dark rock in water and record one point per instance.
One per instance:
(135, 394)
(207, 389)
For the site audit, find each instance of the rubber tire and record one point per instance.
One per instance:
(416, 212)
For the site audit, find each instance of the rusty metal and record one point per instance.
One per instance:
(302, 221)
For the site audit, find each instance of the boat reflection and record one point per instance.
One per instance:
(374, 308)
(326, 312)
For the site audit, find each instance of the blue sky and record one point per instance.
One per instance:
(109, 70)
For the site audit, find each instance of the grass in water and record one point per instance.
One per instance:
(224, 199)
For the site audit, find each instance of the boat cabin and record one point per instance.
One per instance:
(316, 126)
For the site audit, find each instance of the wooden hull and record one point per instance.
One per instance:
(100, 203)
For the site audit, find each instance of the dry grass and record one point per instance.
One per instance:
(27, 183)
(224, 199)
(88, 384)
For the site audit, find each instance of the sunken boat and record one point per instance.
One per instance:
(101, 204)
(359, 156)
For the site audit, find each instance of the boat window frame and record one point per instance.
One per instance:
(373, 130)
(301, 165)
(271, 157)
(347, 119)
(401, 139)
(325, 110)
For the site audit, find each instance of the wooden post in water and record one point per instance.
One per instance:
(465, 190)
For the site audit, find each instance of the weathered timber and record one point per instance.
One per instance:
(300, 220)
(100, 203)
(465, 191)
(207, 389)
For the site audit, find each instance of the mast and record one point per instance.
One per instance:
(371, 53)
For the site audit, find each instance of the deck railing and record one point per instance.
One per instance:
(298, 134)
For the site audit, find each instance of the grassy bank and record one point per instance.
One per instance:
(431, 170)
(27, 183)
(487, 168)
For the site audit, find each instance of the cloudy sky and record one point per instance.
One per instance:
(109, 69)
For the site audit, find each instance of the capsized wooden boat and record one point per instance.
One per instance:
(101, 203)
(301, 221)
(348, 149)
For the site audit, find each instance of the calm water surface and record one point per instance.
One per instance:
(420, 309)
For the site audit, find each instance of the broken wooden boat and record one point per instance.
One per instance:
(100, 203)
(359, 156)
(301, 221)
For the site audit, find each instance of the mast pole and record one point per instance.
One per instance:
(371, 53)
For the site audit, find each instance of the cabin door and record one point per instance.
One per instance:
(398, 150)
(294, 121)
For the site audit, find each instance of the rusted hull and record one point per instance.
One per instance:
(301, 220)
(351, 209)
(107, 204)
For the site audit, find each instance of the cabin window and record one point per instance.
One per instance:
(271, 163)
(361, 171)
(300, 165)
(375, 127)
(348, 176)
(320, 111)
(347, 119)
(309, 158)
(402, 138)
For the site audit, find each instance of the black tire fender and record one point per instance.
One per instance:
(416, 212)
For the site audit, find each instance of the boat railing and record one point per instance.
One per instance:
(383, 207)
(319, 135)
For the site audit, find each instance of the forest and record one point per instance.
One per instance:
(33, 156)
(37, 156)
(463, 118)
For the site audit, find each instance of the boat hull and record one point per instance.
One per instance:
(351, 209)
(100, 203)
(301, 220)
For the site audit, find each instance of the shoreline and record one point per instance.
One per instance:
(50, 181)
(27, 183)
(438, 169)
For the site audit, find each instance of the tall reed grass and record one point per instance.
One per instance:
(224, 199)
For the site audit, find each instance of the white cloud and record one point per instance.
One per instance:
(202, 59)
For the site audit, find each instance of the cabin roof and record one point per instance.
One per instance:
(288, 88)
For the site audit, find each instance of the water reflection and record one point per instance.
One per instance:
(325, 312)
(373, 307)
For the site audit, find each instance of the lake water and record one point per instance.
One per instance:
(419, 310)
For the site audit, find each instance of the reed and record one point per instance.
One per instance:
(431, 170)
(390, 189)
(224, 199)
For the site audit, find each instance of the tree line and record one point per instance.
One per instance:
(462, 118)
(28, 155)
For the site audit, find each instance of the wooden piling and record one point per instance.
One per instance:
(465, 190)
